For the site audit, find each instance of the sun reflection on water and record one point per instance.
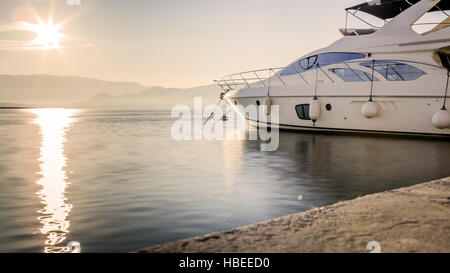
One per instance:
(53, 123)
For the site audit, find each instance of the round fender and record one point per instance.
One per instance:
(314, 109)
(441, 119)
(370, 109)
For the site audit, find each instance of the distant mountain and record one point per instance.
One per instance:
(156, 98)
(70, 91)
(56, 90)
(6, 104)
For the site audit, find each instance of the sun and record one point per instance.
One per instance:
(48, 35)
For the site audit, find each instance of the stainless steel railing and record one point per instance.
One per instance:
(260, 77)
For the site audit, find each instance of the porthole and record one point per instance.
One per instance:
(235, 102)
(258, 103)
(328, 107)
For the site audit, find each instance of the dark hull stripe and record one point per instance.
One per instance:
(326, 129)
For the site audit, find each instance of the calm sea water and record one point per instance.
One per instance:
(115, 181)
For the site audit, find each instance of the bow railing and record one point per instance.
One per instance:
(260, 77)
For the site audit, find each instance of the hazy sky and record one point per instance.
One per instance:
(173, 43)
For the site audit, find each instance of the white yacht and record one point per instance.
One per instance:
(389, 79)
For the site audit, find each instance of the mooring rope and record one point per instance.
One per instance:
(270, 78)
(212, 113)
(216, 120)
(446, 91)
(372, 80)
(317, 78)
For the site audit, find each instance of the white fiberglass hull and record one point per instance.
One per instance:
(397, 115)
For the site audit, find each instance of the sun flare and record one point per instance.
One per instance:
(48, 35)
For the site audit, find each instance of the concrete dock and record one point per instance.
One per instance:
(412, 219)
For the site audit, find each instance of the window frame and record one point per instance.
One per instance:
(298, 67)
(385, 66)
(361, 78)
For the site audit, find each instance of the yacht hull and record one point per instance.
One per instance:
(397, 115)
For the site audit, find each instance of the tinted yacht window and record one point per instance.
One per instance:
(394, 71)
(307, 63)
(322, 60)
(334, 58)
(353, 75)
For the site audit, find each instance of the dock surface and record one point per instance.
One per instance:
(411, 219)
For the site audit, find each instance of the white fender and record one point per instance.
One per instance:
(268, 106)
(314, 109)
(441, 119)
(369, 109)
